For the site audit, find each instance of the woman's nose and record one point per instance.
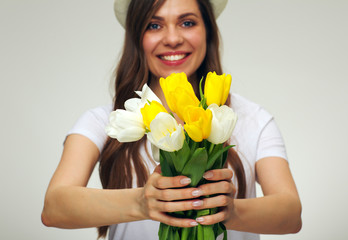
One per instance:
(173, 37)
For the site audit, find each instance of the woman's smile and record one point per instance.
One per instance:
(174, 58)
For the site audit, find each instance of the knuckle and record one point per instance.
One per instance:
(229, 173)
(205, 188)
(147, 194)
(171, 222)
(224, 200)
(234, 190)
(165, 194)
(226, 186)
(152, 215)
(159, 183)
(224, 215)
(167, 207)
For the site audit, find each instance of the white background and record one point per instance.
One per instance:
(57, 57)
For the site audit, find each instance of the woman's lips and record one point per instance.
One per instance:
(173, 59)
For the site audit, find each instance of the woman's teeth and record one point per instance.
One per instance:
(173, 57)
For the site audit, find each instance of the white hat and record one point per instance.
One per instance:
(121, 9)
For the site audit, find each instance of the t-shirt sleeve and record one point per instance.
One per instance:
(92, 125)
(271, 143)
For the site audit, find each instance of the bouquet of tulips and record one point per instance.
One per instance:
(188, 150)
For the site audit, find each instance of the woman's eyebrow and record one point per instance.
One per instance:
(188, 15)
(180, 17)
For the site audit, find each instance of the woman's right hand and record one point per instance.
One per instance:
(163, 194)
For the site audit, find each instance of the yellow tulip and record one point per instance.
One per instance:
(150, 111)
(217, 88)
(179, 93)
(197, 123)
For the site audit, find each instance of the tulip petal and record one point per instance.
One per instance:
(125, 126)
(146, 94)
(165, 133)
(133, 104)
(223, 123)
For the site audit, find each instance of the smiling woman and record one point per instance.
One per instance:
(175, 39)
(164, 37)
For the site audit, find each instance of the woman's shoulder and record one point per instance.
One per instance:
(251, 116)
(91, 124)
(100, 112)
(246, 107)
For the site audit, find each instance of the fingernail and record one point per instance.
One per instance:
(193, 223)
(196, 193)
(200, 219)
(197, 203)
(185, 181)
(208, 175)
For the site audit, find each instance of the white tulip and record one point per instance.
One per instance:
(155, 153)
(222, 125)
(166, 133)
(125, 126)
(147, 94)
(133, 105)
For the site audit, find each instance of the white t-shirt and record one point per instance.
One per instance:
(256, 136)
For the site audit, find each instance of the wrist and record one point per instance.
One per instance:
(138, 212)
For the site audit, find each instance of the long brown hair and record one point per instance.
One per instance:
(119, 160)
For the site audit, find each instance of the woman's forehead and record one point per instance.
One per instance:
(178, 8)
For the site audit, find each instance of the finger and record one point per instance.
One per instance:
(214, 218)
(171, 182)
(223, 187)
(172, 221)
(177, 194)
(178, 206)
(212, 202)
(218, 174)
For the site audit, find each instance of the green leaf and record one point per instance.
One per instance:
(195, 167)
(194, 232)
(176, 235)
(182, 157)
(163, 231)
(200, 233)
(203, 212)
(222, 229)
(216, 155)
(208, 232)
(165, 166)
(185, 233)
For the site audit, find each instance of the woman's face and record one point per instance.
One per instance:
(175, 39)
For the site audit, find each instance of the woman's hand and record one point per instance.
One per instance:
(224, 191)
(165, 194)
(161, 195)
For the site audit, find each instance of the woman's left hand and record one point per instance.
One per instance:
(223, 189)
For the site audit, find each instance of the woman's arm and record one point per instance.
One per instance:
(69, 204)
(278, 212)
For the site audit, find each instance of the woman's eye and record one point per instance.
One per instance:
(188, 24)
(153, 26)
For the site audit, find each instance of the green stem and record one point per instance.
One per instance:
(211, 148)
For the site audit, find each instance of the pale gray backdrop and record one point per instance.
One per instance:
(56, 59)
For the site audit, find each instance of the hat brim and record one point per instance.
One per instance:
(121, 9)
